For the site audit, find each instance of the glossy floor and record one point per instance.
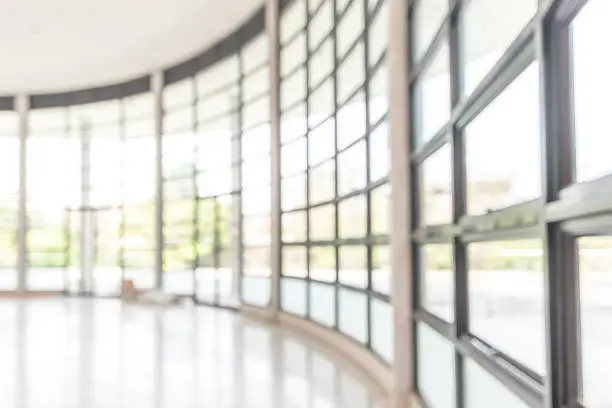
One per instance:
(73, 353)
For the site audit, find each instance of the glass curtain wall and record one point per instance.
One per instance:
(334, 168)
(53, 171)
(9, 199)
(512, 220)
(137, 251)
(218, 182)
(178, 163)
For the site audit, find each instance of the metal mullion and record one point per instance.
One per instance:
(521, 385)
(534, 231)
(294, 36)
(122, 143)
(562, 385)
(432, 145)
(368, 194)
(239, 123)
(442, 327)
(307, 139)
(334, 32)
(216, 250)
(196, 204)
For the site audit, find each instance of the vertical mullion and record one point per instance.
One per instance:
(238, 161)
(217, 248)
(461, 304)
(195, 220)
(334, 34)
(368, 194)
(158, 87)
(122, 165)
(22, 102)
(307, 136)
(562, 383)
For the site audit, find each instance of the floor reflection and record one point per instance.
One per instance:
(100, 353)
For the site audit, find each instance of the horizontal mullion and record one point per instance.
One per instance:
(294, 36)
(342, 13)
(212, 119)
(294, 70)
(593, 225)
(513, 62)
(441, 138)
(582, 200)
(436, 234)
(365, 241)
(375, 10)
(347, 100)
(293, 106)
(522, 385)
(217, 91)
(442, 327)
(503, 235)
(315, 12)
(523, 215)
(565, 10)
(189, 105)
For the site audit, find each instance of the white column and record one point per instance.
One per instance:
(399, 129)
(157, 85)
(272, 27)
(22, 106)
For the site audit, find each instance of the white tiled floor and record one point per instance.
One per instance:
(72, 353)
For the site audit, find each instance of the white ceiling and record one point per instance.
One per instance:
(57, 45)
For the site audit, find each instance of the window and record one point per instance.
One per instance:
(436, 368)
(437, 188)
(591, 64)
(432, 103)
(437, 280)
(427, 19)
(595, 272)
(502, 21)
(483, 390)
(506, 290)
(494, 180)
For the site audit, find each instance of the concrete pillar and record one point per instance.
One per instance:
(157, 86)
(400, 238)
(22, 103)
(272, 29)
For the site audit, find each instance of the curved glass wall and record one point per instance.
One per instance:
(334, 168)
(9, 199)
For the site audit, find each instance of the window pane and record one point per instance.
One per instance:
(427, 19)
(482, 390)
(292, 20)
(294, 262)
(592, 65)
(323, 303)
(351, 73)
(321, 24)
(503, 162)
(322, 183)
(353, 308)
(352, 217)
(353, 266)
(382, 328)
(436, 368)
(323, 264)
(293, 55)
(321, 103)
(351, 121)
(432, 97)
(502, 21)
(350, 27)
(293, 89)
(381, 210)
(352, 169)
(380, 155)
(294, 226)
(321, 143)
(322, 223)
(293, 123)
(437, 280)
(437, 193)
(321, 63)
(595, 266)
(293, 296)
(293, 192)
(256, 290)
(379, 34)
(381, 267)
(506, 291)
(257, 261)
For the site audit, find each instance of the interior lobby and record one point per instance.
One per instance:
(305, 203)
